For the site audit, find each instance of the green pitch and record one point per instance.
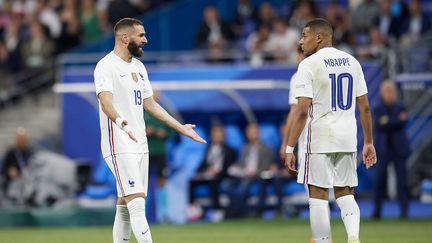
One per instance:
(247, 231)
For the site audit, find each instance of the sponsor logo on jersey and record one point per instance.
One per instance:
(134, 76)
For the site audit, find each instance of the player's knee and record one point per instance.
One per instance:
(318, 192)
(343, 191)
(131, 197)
(121, 201)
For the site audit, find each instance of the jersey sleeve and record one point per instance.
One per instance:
(361, 86)
(292, 98)
(103, 78)
(303, 86)
(148, 91)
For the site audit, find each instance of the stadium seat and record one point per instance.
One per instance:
(104, 184)
(170, 144)
(270, 136)
(418, 59)
(188, 154)
(292, 187)
(234, 137)
(426, 191)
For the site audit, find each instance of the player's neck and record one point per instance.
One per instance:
(324, 45)
(123, 53)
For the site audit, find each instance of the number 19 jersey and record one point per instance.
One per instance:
(129, 85)
(333, 79)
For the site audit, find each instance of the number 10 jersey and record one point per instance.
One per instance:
(333, 79)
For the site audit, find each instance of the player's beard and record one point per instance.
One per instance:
(134, 49)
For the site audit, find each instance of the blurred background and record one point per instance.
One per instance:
(224, 65)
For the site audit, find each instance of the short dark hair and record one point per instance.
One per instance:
(126, 23)
(320, 25)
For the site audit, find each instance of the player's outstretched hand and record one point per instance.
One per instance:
(188, 130)
(290, 164)
(369, 155)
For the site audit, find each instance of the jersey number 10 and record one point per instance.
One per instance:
(138, 97)
(337, 88)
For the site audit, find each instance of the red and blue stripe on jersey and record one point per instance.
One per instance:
(308, 147)
(113, 155)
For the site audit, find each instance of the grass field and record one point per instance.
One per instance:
(247, 231)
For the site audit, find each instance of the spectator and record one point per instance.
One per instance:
(90, 24)
(5, 15)
(389, 23)
(214, 34)
(267, 15)
(70, 35)
(213, 169)
(48, 179)
(259, 46)
(48, 17)
(102, 8)
(284, 42)
(6, 81)
(392, 146)
(13, 42)
(364, 15)
(255, 159)
(304, 11)
(418, 23)
(158, 133)
(376, 48)
(37, 49)
(16, 159)
(341, 23)
(24, 8)
(245, 18)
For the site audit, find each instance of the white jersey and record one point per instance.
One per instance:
(293, 101)
(129, 84)
(333, 79)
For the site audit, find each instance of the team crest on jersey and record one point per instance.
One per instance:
(131, 183)
(134, 77)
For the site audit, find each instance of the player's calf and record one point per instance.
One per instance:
(140, 226)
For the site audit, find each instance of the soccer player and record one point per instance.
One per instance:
(292, 100)
(124, 91)
(330, 84)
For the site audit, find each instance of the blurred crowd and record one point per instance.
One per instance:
(32, 32)
(364, 29)
(237, 175)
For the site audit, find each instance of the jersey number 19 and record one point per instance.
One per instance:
(138, 97)
(337, 91)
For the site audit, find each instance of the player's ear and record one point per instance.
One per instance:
(319, 38)
(124, 38)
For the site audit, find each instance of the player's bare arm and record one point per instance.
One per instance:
(151, 106)
(287, 130)
(298, 123)
(105, 99)
(369, 154)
